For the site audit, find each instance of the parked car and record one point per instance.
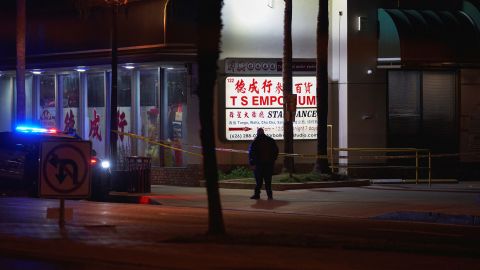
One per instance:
(20, 156)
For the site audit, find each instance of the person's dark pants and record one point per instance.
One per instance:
(263, 172)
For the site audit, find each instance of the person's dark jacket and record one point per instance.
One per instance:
(263, 150)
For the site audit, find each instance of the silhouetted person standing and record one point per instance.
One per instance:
(262, 154)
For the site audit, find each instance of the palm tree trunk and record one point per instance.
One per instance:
(114, 83)
(321, 164)
(288, 161)
(208, 52)
(20, 76)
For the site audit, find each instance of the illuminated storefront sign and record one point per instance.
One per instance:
(253, 102)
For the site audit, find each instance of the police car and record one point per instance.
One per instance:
(20, 157)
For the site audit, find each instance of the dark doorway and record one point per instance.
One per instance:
(422, 110)
(422, 113)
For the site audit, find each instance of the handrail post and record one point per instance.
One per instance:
(429, 168)
(416, 166)
(61, 214)
(331, 148)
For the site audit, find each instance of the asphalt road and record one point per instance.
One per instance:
(260, 234)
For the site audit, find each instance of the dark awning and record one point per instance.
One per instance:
(427, 38)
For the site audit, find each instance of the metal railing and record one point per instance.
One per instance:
(412, 153)
(418, 155)
(415, 153)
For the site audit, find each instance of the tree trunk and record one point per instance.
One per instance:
(321, 164)
(288, 161)
(20, 76)
(114, 83)
(208, 52)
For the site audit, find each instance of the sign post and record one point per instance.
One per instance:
(65, 172)
(61, 219)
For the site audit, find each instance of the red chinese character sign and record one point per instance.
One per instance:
(123, 121)
(121, 124)
(257, 101)
(96, 129)
(70, 119)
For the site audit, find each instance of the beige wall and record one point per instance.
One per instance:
(367, 93)
(252, 28)
(367, 115)
(469, 114)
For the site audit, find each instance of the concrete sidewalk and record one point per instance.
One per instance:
(353, 202)
(299, 229)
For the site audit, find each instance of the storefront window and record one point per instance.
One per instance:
(47, 101)
(124, 111)
(150, 113)
(6, 99)
(29, 100)
(176, 98)
(96, 111)
(69, 85)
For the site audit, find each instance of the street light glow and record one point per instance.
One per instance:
(116, 2)
(81, 69)
(105, 164)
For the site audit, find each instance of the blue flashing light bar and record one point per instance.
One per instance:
(29, 129)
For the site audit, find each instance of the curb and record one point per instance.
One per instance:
(144, 198)
(413, 181)
(235, 184)
(127, 197)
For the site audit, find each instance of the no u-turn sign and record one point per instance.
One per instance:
(65, 169)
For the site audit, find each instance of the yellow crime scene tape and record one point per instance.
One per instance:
(155, 142)
(169, 145)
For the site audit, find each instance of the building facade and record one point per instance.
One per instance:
(401, 74)
(68, 78)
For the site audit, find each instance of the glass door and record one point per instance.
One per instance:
(96, 111)
(175, 108)
(124, 114)
(69, 87)
(47, 102)
(150, 114)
